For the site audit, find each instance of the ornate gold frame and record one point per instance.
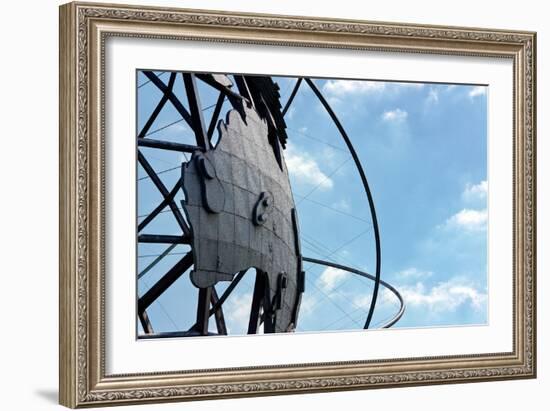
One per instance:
(83, 29)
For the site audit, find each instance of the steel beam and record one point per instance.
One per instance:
(166, 281)
(145, 323)
(156, 260)
(231, 95)
(171, 96)
(215, 115)
(164, 191)
(258, 297)
(197, 119)
(292, 95)
(159, 107)
(163, 239)
(165, 202)
(218, 314)
(168, 145)
(203, 308)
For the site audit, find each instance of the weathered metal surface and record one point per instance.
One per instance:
(235, 98)
(239, 204)
(223, 79)
(301, 274)
(262, 208)
(263, 93)
(223, 187)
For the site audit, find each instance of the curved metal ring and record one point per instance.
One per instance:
(363, 176)
(401, 311)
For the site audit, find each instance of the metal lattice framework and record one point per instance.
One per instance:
(222, 200)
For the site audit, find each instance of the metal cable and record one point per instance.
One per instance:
(367, 192)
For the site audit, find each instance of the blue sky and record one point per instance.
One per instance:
(423, 148)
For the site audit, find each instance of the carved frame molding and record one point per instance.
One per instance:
(83, 30)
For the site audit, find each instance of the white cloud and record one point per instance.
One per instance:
(446, 296)
(345, 87)
(330, 278)
(339, 88)
(332, 100)
(477, 91)
(413, 272)
(409, 85)
(332, 159)
(396, 115)
(387, 297)
(309, 301)
(238, 312)
(306, 170)
(363, 301)
(290, 113)
(433, 96)
(475, 191)
(342, 205)
(468, 219)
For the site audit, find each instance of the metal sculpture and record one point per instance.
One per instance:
(239, 211)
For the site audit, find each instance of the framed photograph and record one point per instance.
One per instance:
(258, 204)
